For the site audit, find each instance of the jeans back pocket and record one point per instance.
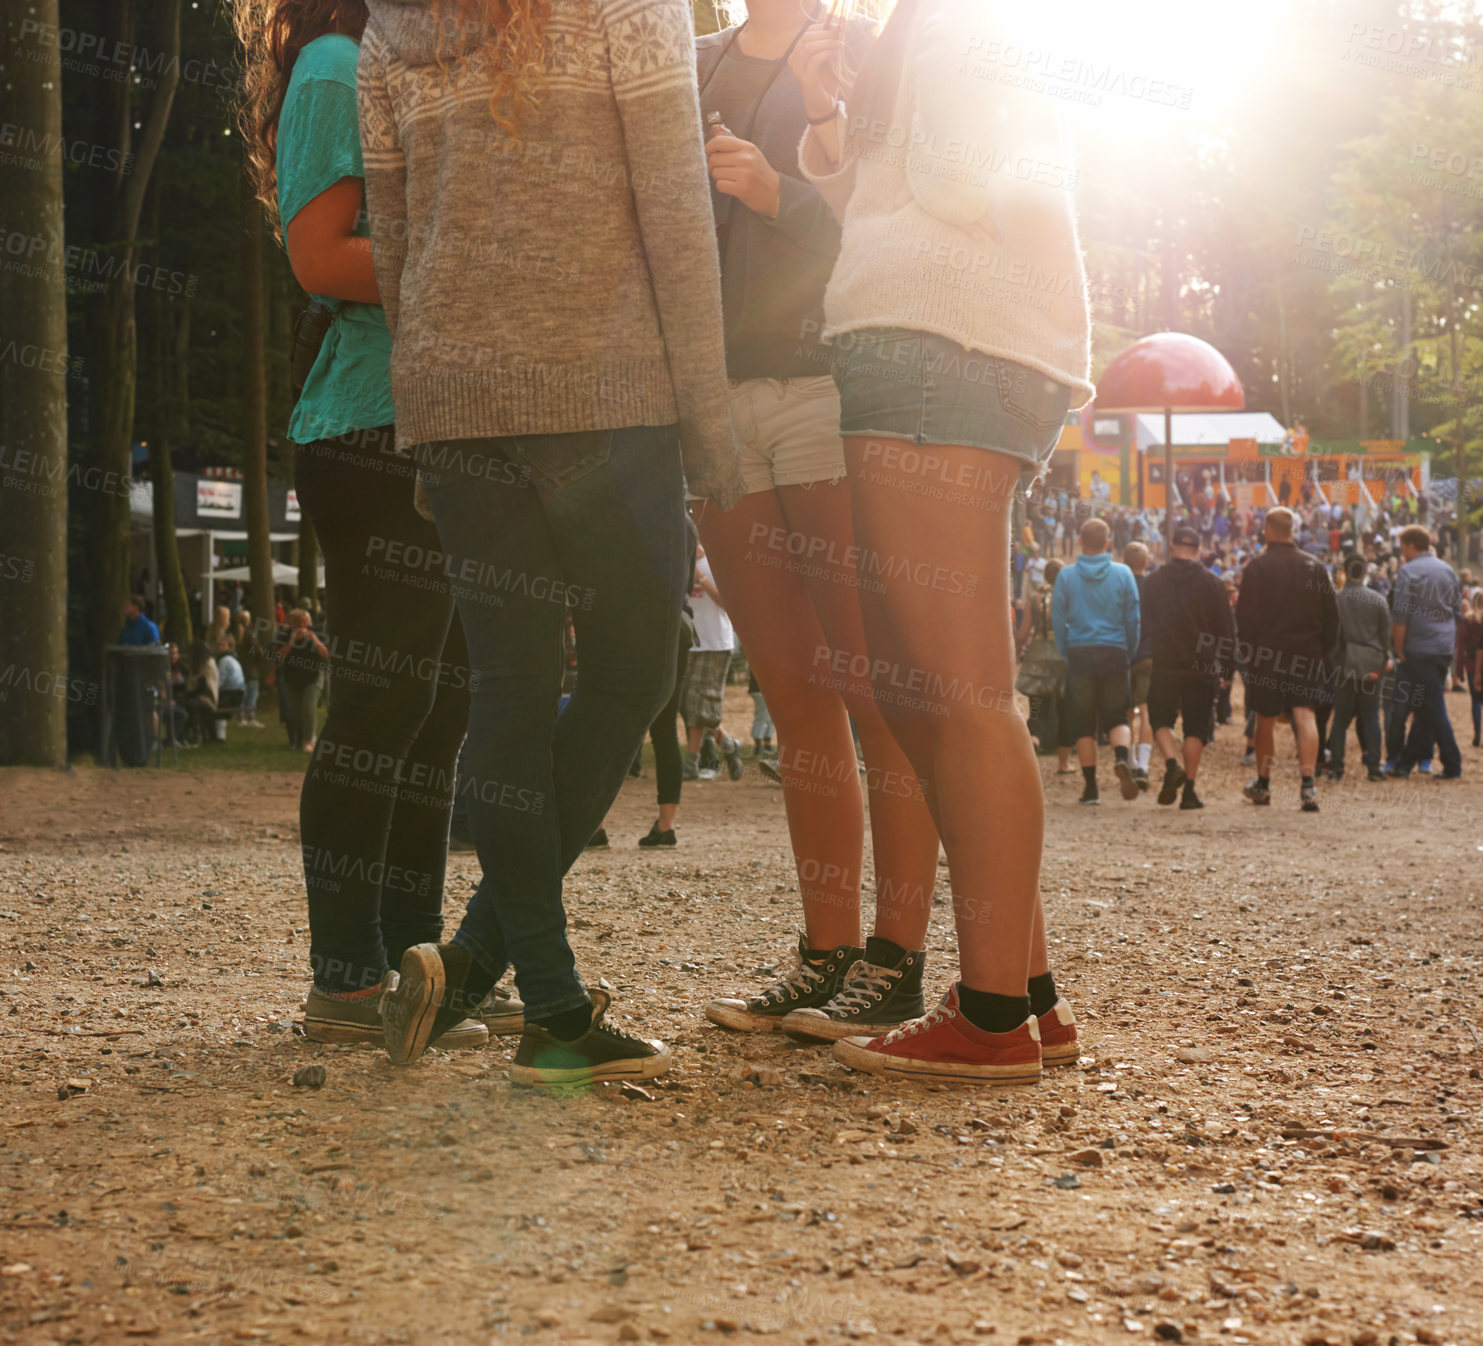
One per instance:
(565, 458)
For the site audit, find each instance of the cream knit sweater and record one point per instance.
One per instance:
(958, 214)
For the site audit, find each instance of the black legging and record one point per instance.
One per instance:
(665, 736)
(377, 799)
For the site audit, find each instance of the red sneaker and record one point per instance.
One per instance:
(1058, 1045)
(943, 1045)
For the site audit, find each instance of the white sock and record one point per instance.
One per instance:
(1145, 750)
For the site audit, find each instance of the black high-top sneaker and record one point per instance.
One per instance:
(427, 999)
(881, 992)
(601, 1053)
(813, 980)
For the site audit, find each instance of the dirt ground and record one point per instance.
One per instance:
(1272, 1135)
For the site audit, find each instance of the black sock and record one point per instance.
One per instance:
(1120, 755)
(569, 1025)
(1089, 775)
(1307, 781)
(1189, 785)
(993, 1013)
(468, 980)
(1264, 782)
(1171, 764)
(1043, 995)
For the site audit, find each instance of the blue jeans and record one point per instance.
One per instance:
(1429, 674)
(535, 529)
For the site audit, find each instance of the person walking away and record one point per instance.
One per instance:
(1047, 720)
(1192, 634)
(703, 699)
(374, 837)
(668, 758)
(1364, 620)
(1287, 619)
(1424, 615)
(1471, 644)
(1140, 670)
(787, 563)
(941, 380)
(556, 421)
(1094, 611)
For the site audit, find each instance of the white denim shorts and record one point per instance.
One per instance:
(788, 431)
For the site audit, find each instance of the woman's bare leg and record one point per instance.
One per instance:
(941, 657)
(903, 836)
(771, 607)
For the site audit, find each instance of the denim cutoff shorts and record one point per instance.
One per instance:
(895, 383)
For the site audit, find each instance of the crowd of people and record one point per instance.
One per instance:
(728, 377)
(1324, 633)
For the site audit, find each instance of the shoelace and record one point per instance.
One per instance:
(801, 978)
(866, 983)
(931, 1019)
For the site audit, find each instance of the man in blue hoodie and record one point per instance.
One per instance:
(1094, 611)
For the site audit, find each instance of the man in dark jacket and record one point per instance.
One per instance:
(1192, 636)
(1288, 621)
(1364, 617)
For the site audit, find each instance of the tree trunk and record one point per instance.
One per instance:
(164, 366)
(33, 426)
(308, 561)
(255, 408)
(1464, 503)
(115, 348)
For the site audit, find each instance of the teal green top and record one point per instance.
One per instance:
(349, 387)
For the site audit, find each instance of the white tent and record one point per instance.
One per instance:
(282, 574)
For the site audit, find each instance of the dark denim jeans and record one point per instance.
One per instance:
(1429, 673)
(1353, 704)
(373, 815)
(535, 528)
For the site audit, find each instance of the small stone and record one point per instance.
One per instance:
(877, 1111)
(1078, 1296)
(1168, 1332)
(1068, 1181)
(151, 978)
(1091, 1157)
(1224, 1188)
(964, 1266)
(631, 1090)
(1068, 1259)
(628, 1332)
(309, 1077)
(906, 1128)
(1427, 1157)
(1194, 1056)
(546, 1318)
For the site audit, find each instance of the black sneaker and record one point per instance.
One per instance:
(707, 759)
(1375, 774)
(601, 1053)
(811, 983)
(426, 1000)
(1125, 781)
(732, 752)
(1309, 797)
(1140, 774)
(599, 840)
(1174, 779)
(1090, 795)
(657, 838)
(769, 768)
(875, 998)
(1191, 800)
(1258, 793)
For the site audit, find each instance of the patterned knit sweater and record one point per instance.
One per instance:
(565, 280)
(958, 212)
